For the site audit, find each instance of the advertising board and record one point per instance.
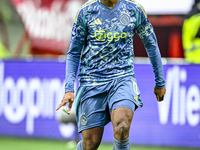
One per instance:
(48, 23)
(30, 92)
(160, 7)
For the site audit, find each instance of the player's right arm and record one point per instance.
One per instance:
(72, 63)
(73, 59)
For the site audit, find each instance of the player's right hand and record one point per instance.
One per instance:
(68, 98)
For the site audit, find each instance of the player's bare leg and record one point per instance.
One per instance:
(121, 119)
(92, 138)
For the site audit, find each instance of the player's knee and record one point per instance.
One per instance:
(121, 130)
(91, 145)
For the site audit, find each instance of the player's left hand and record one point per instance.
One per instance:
(160, 93)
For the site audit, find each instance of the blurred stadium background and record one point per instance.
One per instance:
(34, 39)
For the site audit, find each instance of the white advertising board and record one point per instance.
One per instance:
(166, 6)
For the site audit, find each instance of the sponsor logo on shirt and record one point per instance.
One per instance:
(73, 31)
(101, 35)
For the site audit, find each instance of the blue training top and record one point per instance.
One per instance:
(103, 38)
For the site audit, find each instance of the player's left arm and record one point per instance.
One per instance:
(146, 33)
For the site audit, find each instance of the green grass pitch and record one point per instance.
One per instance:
(16, 143)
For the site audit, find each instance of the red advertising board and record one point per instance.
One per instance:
(47, 23)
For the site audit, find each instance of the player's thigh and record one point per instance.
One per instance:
(92, 111)
(92, 136)
(125, 93)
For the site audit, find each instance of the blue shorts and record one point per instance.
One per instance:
(95, 103)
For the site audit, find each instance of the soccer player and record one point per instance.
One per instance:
(102, 40)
